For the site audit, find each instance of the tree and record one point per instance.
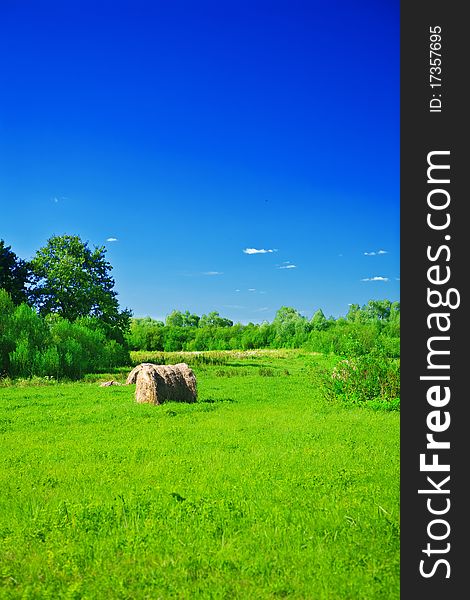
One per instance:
(174, 319)
(355, 314)
(73, 281)
(7, 337)
(290, 327)
(377, 310)
(319, 321)
(395, 312)
(213, 319)
(190, 319)
(178, 319)
(14, 274)
(287, 317)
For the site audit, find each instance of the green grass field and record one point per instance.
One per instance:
(262, 489)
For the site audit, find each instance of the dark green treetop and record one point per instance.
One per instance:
(14, 274)
(74, 281)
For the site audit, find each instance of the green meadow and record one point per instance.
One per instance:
(264, 488)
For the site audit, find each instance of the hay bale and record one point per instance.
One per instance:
(107, 383)
(156, 384)
(132, 377)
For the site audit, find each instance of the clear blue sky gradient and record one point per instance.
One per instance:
(190, 131)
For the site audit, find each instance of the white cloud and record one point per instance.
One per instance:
(288, 267)
(262, 309)
(252, 289)
(237, 290)
(260, 251)
(212, 273)
(111, 239)
(376, 278)
(375, 253)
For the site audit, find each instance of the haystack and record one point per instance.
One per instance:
(156, 384)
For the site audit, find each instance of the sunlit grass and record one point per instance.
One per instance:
(260, 490)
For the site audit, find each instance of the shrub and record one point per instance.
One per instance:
(31, 336)
(369, 378)
(82, 350)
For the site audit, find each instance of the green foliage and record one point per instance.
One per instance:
(145, 334)
(367, 378)
(345, 338)
(77, 326)
(213, 319)
(7, 337)
(179, 319)
(193, 359)
(31, 345)
(290, 328)
(73, 281)
(84, 350)
(14, 274)
(319, 322)
(375, 326)
(31, 336)
(174, 319)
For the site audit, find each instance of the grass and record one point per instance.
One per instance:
(262, 489)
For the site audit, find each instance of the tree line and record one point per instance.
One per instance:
(374, 326)
(60, 317)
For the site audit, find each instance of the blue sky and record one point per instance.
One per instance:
(182, 134)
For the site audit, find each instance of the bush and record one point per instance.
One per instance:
(369, 378)
(33, 346)
(31, 336)
(82, 350)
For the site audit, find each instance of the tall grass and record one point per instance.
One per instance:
(371, 378)
(262, 489)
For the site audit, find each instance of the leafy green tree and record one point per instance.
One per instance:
(319, 321)
(174, 319)
(74, 281)
(290, 327)
(286, 315)
(355, 314)
(377, 310)
(146, 334)
(14, 274)
(395, 312)
(213, 319)
(175, 338)
(178, 319)
(190, 319)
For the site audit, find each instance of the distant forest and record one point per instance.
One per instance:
(59, 317)
(374, 325)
